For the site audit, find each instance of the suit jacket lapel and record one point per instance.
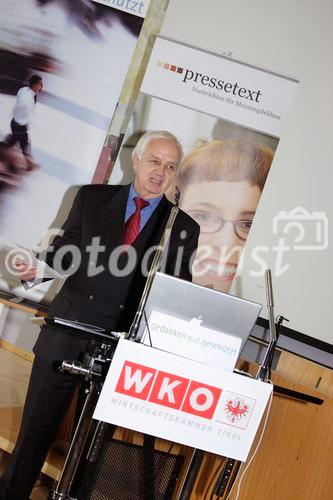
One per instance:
(112, 220)
(149, 236)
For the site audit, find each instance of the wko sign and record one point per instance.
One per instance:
(167, 389)
(181, 400)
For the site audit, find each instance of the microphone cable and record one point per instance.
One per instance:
(244, 470)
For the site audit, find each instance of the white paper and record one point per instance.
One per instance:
(9, 250)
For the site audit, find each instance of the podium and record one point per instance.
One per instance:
(298, 430)
(161, 394)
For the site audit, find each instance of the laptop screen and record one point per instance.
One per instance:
(196, 322)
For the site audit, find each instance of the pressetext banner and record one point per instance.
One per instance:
(137, 8)
(158, 393)
(228, 115)
(235, 91)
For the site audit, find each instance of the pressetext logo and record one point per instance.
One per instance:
(168, 390)
(191, 76)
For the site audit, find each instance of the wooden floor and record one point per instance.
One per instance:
(14, 377)
(40, 491)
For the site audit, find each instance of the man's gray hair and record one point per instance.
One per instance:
(157, 134)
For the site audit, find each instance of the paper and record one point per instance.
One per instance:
(10, 250)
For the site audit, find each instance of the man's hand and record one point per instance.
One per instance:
(23, 270)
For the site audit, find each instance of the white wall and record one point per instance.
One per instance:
(293, 38)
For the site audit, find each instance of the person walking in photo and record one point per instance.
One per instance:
(23, 113)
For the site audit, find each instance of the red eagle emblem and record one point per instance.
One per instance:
(236, 409)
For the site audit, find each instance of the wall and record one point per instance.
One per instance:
(293, 38)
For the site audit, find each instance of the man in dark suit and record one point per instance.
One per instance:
(104, 286)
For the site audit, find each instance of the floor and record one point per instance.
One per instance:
(13, 382)
(40, 491)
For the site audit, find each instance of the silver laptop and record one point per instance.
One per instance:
(198, 305)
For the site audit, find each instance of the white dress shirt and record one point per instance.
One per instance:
(25, 106)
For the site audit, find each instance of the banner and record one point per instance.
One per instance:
(228, 115)
(173, 398)
(131, 6)
(233, 90)
(81, 50)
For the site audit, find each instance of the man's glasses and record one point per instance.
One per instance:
(210, 223)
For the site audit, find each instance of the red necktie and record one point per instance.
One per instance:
(132, 227)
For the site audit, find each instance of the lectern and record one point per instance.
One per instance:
(146, 389)
(160, 394)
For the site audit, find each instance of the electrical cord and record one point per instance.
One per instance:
(213, 479)
(148, 329)
(161, 463)
(256, 448)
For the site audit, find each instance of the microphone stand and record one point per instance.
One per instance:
(267, 362)
(149, 479)
(133, 331)
(230, 471)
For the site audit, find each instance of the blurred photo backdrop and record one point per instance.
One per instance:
(81, 49)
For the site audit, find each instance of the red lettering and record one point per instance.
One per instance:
(201, 400)
(135, 380)
(166, 389)
(169, 390)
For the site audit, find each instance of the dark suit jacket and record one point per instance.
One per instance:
(107, 300)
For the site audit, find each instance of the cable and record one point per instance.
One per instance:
(170, 447)
(168, 453)
(213, 479)
(148, 329)
(256, 448)
(160, 465)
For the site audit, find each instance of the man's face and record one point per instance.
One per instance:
(38, 86)
(156, 168)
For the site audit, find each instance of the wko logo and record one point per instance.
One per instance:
(166, 389)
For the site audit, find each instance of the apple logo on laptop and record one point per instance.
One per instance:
(196, 321)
